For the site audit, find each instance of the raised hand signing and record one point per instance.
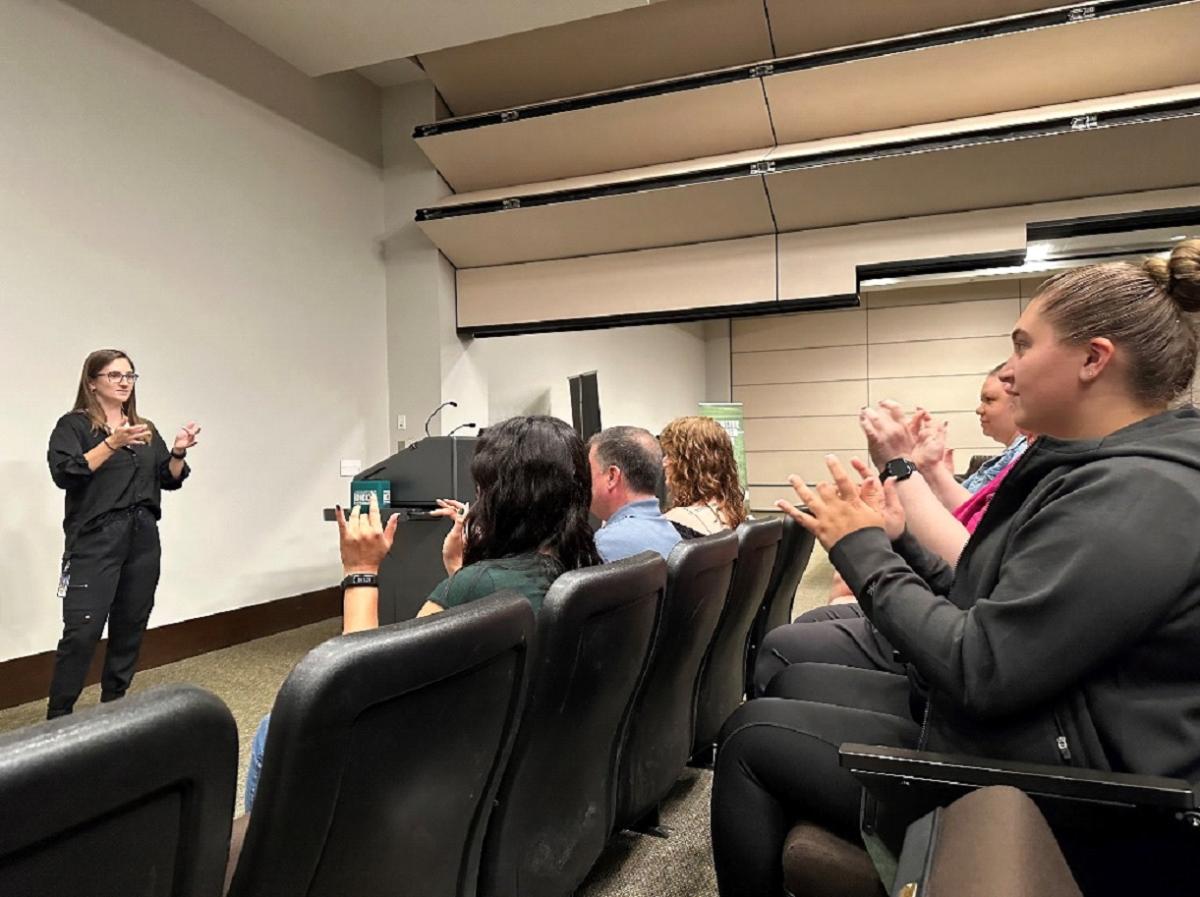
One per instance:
(834, 510)
(365, 542)
(454, 543)
(186, 437)
(128, 434)
(889, 433)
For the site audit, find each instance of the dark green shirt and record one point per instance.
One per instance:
(527, 574)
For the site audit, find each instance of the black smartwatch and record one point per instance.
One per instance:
(900, 468)
(356, 580)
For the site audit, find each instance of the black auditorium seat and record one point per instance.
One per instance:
(723, 678)
(660, 730)
(129, 799)
(795, 549)
(383, 757)
(555, 808)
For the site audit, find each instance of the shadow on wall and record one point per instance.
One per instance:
(531, 402)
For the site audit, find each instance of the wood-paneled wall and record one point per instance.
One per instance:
(803, 378)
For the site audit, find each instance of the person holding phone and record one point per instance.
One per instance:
(113, 464)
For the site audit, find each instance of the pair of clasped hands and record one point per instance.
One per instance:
(365, 541)
(834, 510)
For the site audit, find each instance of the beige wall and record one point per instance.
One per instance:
(234, 255)
(803, 378)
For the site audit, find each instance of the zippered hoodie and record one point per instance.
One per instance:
(1070, 631)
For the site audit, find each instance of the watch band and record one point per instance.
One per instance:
(178, 456)
(357, 580)
(900, 468)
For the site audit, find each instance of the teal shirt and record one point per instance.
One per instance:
(527, 574)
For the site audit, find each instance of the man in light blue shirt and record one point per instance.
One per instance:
(626, 463)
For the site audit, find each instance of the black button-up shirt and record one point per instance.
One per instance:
(132, 477)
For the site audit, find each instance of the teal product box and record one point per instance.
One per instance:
(362, 490)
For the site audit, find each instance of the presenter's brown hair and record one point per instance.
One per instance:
(85, 397)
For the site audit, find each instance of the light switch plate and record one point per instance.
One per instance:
(351, 467)
(401, 422)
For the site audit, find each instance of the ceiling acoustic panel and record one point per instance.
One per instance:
(1084, 149)
(802, 26)
(819, 263)
(625, 130)
(1043, 60)
(634, 46)
(588, 216)
(630, 287)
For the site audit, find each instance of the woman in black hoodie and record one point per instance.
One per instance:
(1069, 632)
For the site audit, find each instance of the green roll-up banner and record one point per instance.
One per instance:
(729, 416)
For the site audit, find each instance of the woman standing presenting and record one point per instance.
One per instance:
(112, 464)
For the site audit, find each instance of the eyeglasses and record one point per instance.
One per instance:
(117, 377)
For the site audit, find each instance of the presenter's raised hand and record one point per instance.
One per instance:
(186, 437)
(454, 543)
(128, 434)
(365, 542)
(834, 510)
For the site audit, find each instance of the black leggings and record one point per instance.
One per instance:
(837, 633)
(777, 764)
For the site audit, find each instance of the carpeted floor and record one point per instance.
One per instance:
(247, 676)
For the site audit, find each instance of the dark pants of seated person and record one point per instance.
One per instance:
(836, 633)
(777, 764)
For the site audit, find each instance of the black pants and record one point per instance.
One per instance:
(110, 574)
(777, 764)
(838, 633)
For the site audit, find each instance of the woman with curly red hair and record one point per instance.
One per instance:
(702, 475)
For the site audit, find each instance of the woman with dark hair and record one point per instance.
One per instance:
(528, 525)
(113, 465)
(1069, 631)
(702, 475)
(529, 521)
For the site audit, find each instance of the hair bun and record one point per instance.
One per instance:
(1179, 275)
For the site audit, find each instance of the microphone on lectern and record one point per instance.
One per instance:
(434, 412)
(460, 427)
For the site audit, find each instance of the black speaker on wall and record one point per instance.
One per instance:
(585, 405)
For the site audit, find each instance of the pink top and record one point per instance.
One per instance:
(971, 511)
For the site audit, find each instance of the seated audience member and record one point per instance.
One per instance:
(996, 420)
(528, 524)
(702, 475)
(1068, 634)
(626, 463)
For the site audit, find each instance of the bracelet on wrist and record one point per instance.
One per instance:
(178, 455)
(106, 445)
(359, 580)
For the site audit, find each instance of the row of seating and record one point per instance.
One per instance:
(482, 750)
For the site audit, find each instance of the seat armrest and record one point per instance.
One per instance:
(889, 768)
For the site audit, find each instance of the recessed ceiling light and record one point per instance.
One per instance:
(1037, 252)
(1179, 237)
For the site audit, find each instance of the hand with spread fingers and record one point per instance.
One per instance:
(882, 498)
(889, 433)
(454, 543)
(365, 542)
(834, 509)
(930, 448)
(186, 437)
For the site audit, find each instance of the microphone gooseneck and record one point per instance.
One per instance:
(434, 412)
